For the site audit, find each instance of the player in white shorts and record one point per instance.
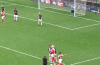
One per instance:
(40, 19)
(15, 14)
(49, 49)
(60, 59)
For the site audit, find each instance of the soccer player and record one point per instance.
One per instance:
(60, 59)
(53, 54)
(45, 60)
(72, 10)
(15, 14)
(3, 15)
(49, 49)
(40, 19)
(2, 9)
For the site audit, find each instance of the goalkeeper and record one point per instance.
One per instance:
(72, 10)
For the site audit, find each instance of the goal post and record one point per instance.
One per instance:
(38, 4)
(64, 5)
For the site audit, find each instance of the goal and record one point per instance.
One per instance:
(64, 5)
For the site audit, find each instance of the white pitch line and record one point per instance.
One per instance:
(85, 61)
(50, 11)
(43, 22)
(87, 26)
(58, 25)
(7, 5)
(50, 23)
(20, 52)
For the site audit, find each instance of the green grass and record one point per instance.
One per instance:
(26, 36)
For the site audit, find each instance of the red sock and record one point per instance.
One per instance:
(53, 59)
(3, 20)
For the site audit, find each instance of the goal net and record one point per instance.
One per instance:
(64, 5)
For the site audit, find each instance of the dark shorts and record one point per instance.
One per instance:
(44, 64)
(72, 11)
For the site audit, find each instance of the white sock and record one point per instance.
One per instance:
(50, 59)
(41, 23)
(55, 58)
(16, 18)
(38, 23)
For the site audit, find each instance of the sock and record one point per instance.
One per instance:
(3, 20)
(16, 18)
(41, 23)
(71, 14)
(50, 59)
(38, 23)
(55, 58)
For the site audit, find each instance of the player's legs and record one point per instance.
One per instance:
(61, 64)
(49, 57)
(38, 21)
(55, 57)
(57, 63)
(41, 21)
(14, 17)
(3, 19)
(71, 13)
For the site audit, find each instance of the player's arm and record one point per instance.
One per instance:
(65, 55)
(4, 9)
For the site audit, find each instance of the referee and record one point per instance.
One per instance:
(44, 60)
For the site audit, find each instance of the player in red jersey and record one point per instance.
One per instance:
(53, 54)
(60, 59)
(3, 15)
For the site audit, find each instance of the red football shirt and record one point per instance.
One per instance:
(60, 56)
(53, 51)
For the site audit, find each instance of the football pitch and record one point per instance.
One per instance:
(25, 43)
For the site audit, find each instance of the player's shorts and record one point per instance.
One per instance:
(53, 55)
(15, 15)
(72, 11)
(40, 20)
(3, 17)
(60, 61)
(44, 64)
(49, 54)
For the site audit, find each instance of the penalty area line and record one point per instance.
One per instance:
(43, 22)
(20, 52)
